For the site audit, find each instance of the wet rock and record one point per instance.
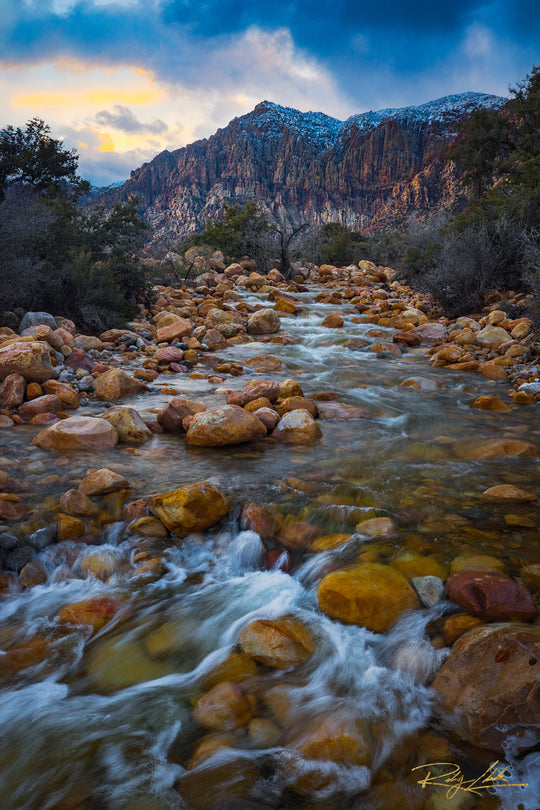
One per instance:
(169, 354)
(507, 493)
(12, 391)
(263, 733)
(490, 596)
(280, 643)
(75, 503)
(297, 427)
(116, 384)
(101, 564)
(175, 411)
(336, 738)
(377, 527)
(227, 425)
(255, 389)
(65, 393)
(259, 520)
(477, 562)
(298, 535)
(119, 662)
(268, 417)
(32, 574)
(263, 322)
(266, 364)
(18, 557)
(490, 403)
(129, 425)
(455, 626)
(297, 403)
(48, 403)
(148, 527)
(333, 321)
(95, 612)
(69, 528)
(236, 667)
(78, 433)
(103, 481)
(429, 589)
(26, 655)
(7, 421)
(223, 708)
(489, 688)
(31, 360)
(189, 509)
(411, 564)
(290, 388)
(496, 448)
(492, 371)
(371, 595)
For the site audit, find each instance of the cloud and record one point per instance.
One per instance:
(124, 119)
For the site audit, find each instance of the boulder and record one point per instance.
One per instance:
(227, 425)
(263, 322)
(29, 359)
(281, 643)
(491, 403)
(191, 508)
(65, 393)
(223, 708)
(297, 403)
(175, 331)
(95, 612)
(48, 403)
(488, 688)
(103, 481)
(268, 417)
(492, 336)
(333, 321)
(297, 427)
(79, 359)
(255, 389)
(172, 415)
(37, 319)
(371, 595)
(490, 595)
(116, 384)
(432, 334)
(78, 433)
(12, 391)
(77, 504)
(128, 424)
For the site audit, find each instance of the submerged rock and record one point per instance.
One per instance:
(371, 595)
(490, 596)
(189, 509)
(280, 643)
(489, 687)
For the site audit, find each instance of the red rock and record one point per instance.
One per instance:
(78, 433)
(280, 559)
(43, 419)
(255, 389)
(65, 393)
(78, 359)
(298, 535)
(175, 331)
(268, 417)
(12, 391)
(297, 403)
(259, 520)
(169, 354)
(407, 338)
(489, 686)
(490, 596)
(48, 403)
(171, 416)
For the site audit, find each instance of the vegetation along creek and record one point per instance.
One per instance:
(274, 544)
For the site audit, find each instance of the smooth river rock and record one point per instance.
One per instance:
(78, 433)
(227, 425)
(31, 360)
(371, 595)
(191, 508)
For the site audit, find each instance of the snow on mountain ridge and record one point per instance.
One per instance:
(323, 130)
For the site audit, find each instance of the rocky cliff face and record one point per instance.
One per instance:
(374, 168)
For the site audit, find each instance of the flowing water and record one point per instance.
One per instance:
(105, 723)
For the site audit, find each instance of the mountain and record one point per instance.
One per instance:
(374, 168)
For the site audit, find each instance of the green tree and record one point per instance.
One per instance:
(240, 232)
(32, 157)
(340, 245)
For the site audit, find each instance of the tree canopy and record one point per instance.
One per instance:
(32, 157)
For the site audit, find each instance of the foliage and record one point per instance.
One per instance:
(54, 255)
(240, 232)
(31, 157)
(494, 242)
(341, 246)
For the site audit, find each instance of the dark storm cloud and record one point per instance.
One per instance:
(123, 119)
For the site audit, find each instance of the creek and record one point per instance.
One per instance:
(105, 722)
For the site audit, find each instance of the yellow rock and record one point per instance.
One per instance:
(117, 663)
(412, 565)
(489, 403)
(507, 493)
(336, 738)
(190, 508)
(69, 527)
(100, 564)
(328, 542)
(236, 667)
(377, 527)
(482, 562)
(223, 708)
(371, 595)
(115, 384)
(128, 424)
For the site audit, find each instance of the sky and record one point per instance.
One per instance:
(122, 80)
